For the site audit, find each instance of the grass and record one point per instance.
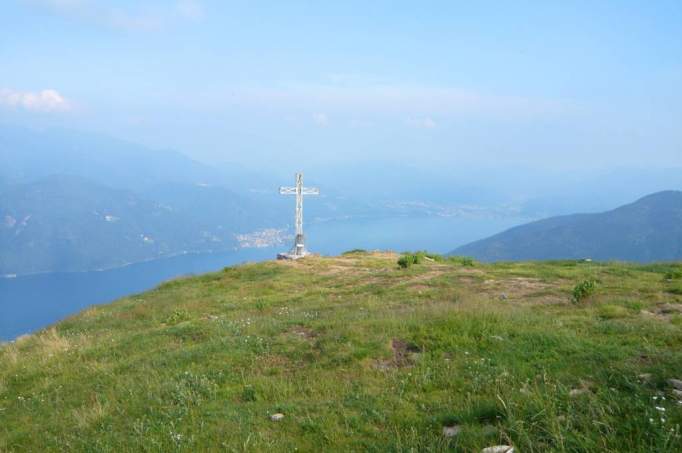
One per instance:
(359, 355)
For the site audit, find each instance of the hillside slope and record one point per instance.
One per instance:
(359, 355)
(647, 230)
(67, 223)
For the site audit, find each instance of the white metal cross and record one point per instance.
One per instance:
(299, 243)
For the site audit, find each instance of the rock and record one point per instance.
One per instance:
(503, 296)
(577, 392)
(645, 377)
(675, 383)
(276, 417)
(677, 393)
(498, 449)
(451, 431)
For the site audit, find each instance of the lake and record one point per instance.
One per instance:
(33, 302)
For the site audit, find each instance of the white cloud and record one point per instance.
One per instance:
(424, 123)
(41, 101)
(320, 119)
(143, 15)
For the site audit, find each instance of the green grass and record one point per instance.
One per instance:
(359, 355)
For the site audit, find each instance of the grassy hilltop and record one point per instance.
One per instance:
(360, 354)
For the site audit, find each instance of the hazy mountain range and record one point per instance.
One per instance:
(81, 201)
(649, 229)
(71, 201)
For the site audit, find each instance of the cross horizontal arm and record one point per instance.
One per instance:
(304, 191)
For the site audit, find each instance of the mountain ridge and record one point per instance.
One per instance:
(648, 229)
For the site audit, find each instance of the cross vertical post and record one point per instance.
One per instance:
(298, 250)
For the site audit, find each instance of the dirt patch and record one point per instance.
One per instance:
(418, 288)
(402, 351)
(426, 276)
(274, 363)
(403, 355)
(345, 269)
(669, 309)
(664, 312)
(523, 289)
(303, 332)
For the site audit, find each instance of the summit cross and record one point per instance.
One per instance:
(298, 250)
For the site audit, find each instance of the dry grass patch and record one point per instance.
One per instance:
(87, 415)
(50, 342)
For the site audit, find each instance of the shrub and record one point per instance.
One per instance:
(406, 261)
(355, 252)
(672, 275)
(249, 394)
(176, 317)
(583, 290)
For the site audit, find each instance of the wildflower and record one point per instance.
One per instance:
(661, 409)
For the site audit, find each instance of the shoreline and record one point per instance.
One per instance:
(111, 268)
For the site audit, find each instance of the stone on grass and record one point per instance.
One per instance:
(498, 449)
(577, 392)
(451, 431)
(276, 417)
(675, 383)
(646, 377)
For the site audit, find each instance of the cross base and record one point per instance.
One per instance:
(290, 256)
(296, 252)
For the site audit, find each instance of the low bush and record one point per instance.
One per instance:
(355, 252)
(674, 274)
(583, 290)
(406, 261)
(177, 317)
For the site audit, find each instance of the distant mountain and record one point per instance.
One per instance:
(28, 155)
(67, 223)
(649, 229)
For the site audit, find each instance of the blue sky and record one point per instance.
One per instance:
(556, 85)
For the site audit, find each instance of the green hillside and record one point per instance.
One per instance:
(360, 354)
(650, 229)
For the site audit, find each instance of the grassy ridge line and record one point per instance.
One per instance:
(359, 355)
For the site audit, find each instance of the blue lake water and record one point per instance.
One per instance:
(33, 302)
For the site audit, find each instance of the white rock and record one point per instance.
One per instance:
(276, 417)
(577, 392)
(675, 383)
(451, 431)
(498, 449)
